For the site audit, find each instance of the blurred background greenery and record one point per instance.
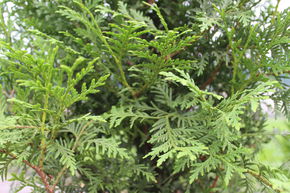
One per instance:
(277, 152)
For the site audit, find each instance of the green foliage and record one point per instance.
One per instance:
(123, 97)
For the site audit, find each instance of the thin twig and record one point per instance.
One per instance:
(151, 1)
(211, 77)
(37, 169)
(214, 182)
(263, 180)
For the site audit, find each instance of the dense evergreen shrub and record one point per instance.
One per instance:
(125, 96)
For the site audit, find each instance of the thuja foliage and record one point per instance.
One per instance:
(131, 96)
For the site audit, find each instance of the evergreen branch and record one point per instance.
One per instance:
(43, 176)
(21, 127)
(103, 39)
(160, 16)
(76, 143)
(263, 180)
(47, 80)
(43, 137)
(191, 133)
